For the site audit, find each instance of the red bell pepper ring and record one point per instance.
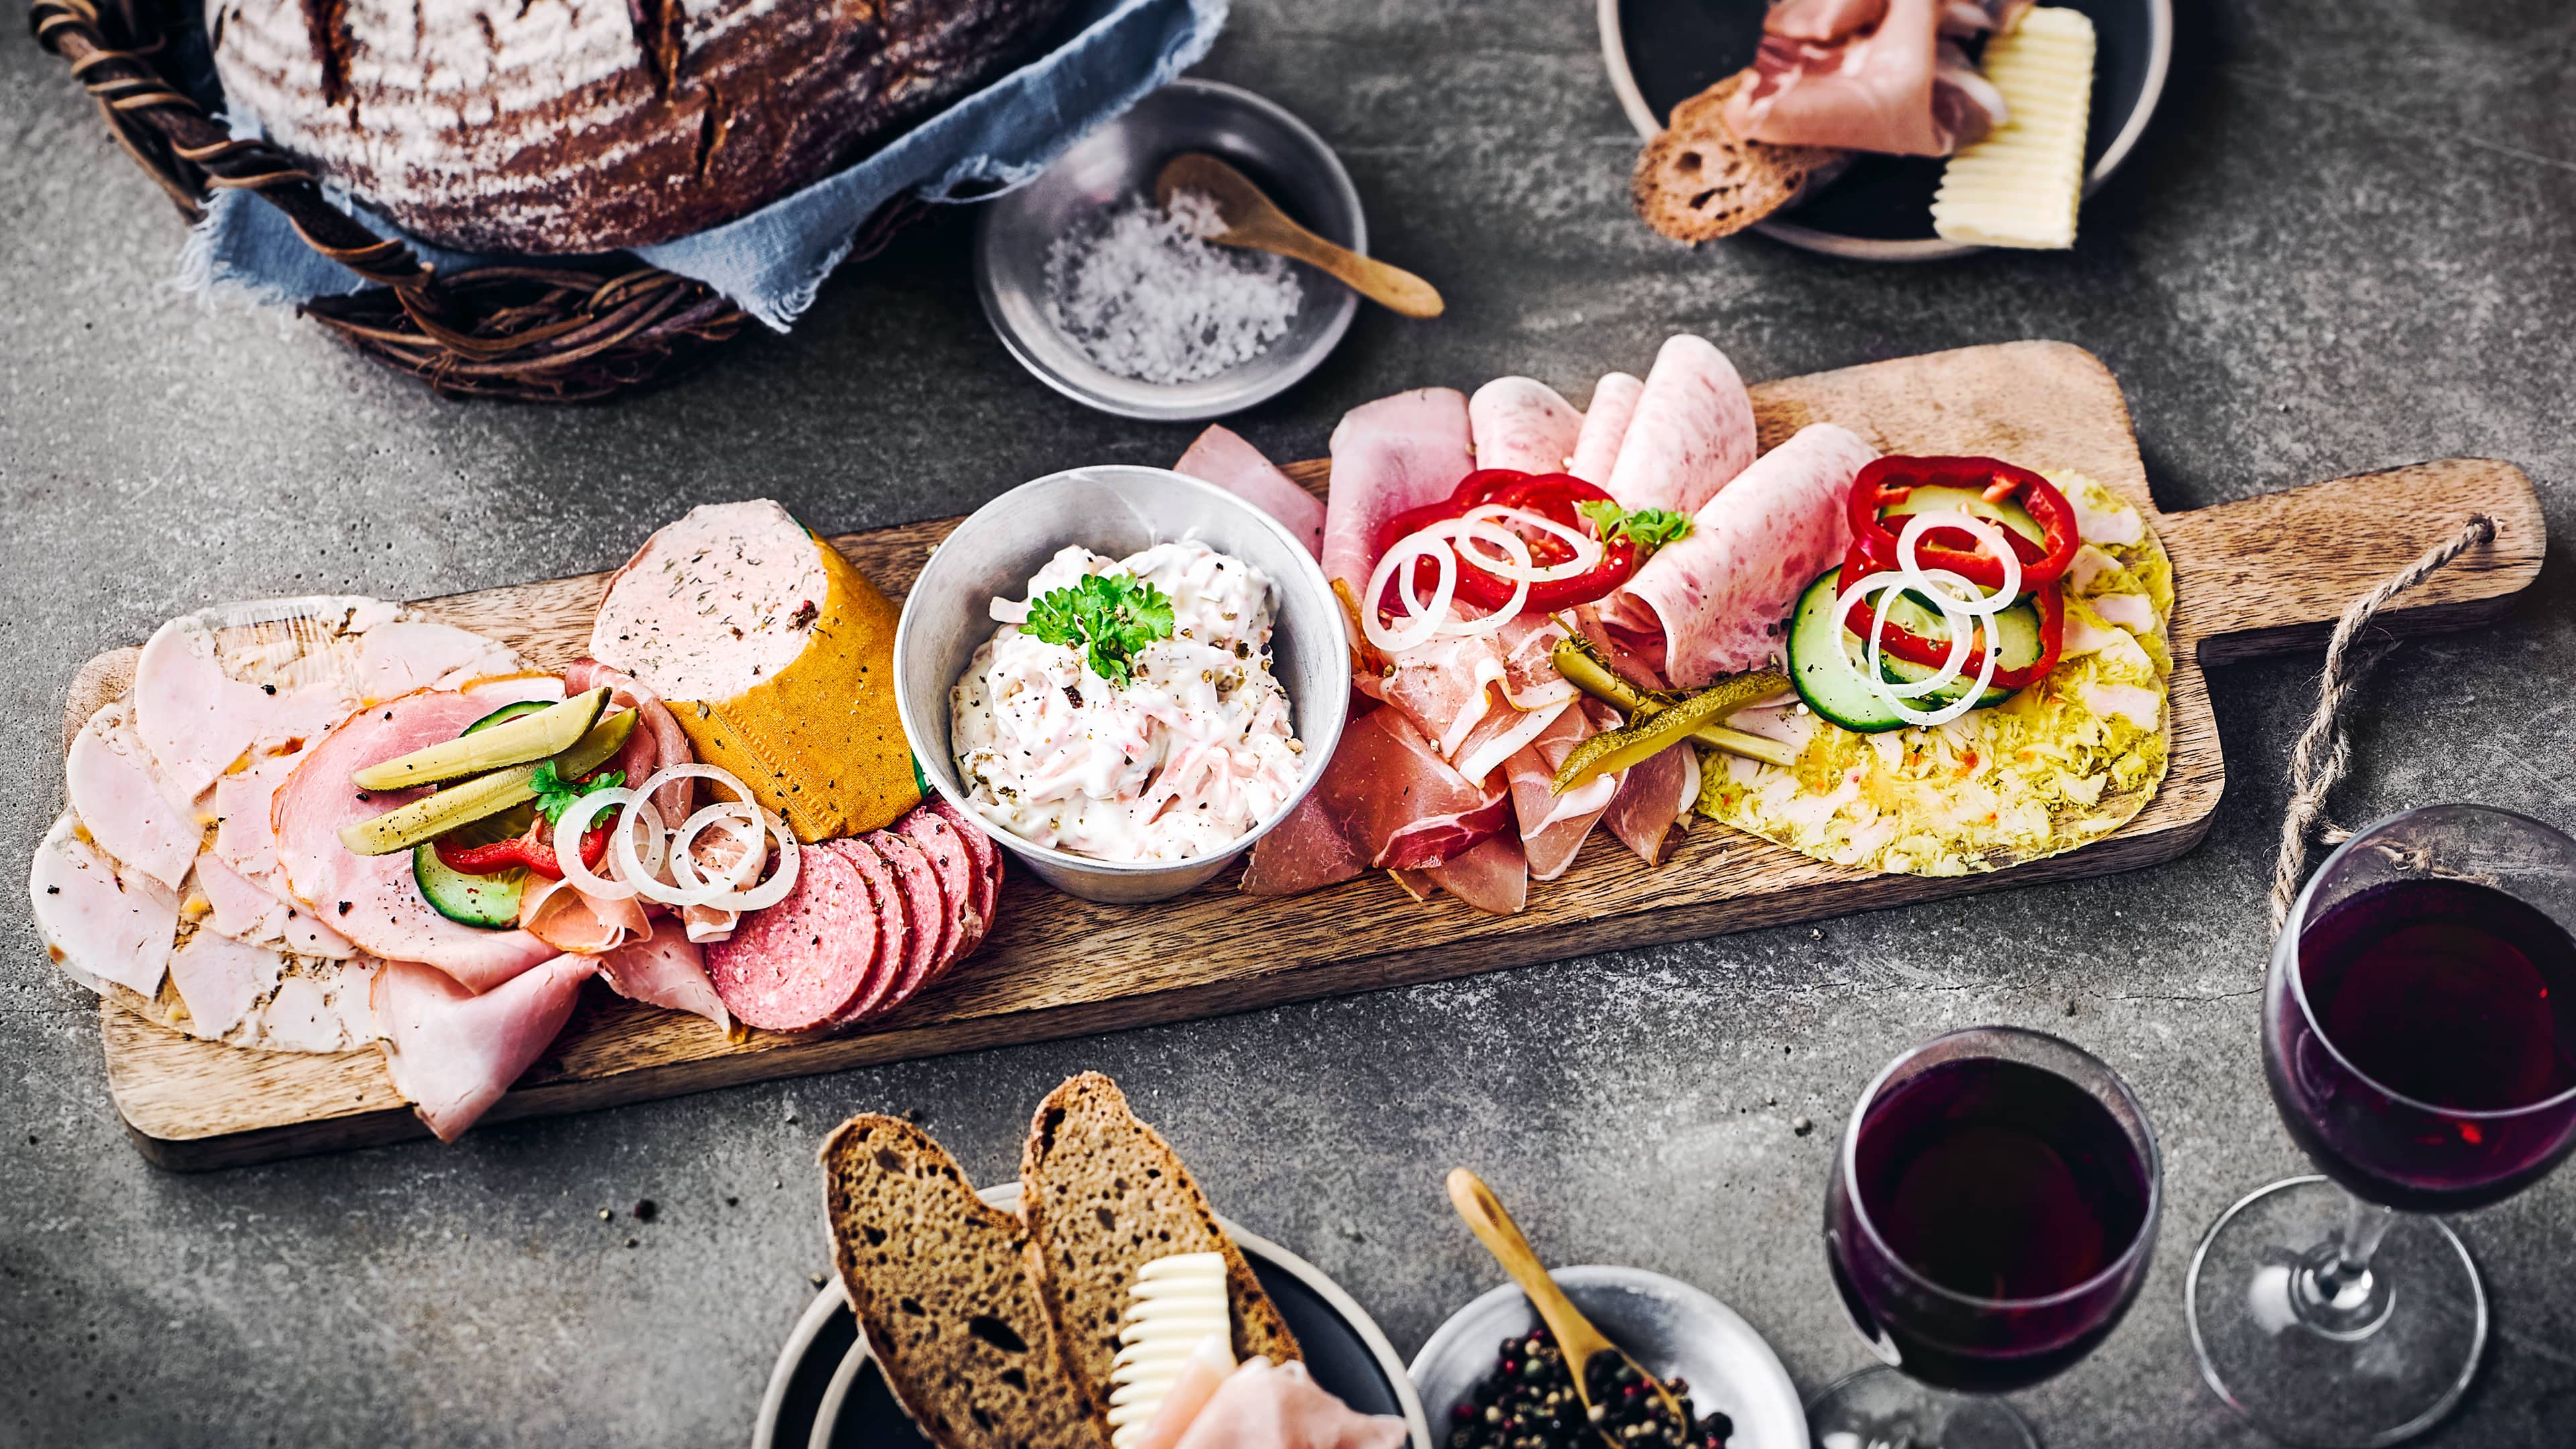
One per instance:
(1890, 480)
(534, 852)
(1553, 496)
(1905, 644)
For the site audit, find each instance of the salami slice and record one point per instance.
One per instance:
(960, 882)
(795, 966)
(922, 906)
(893, 929)
(988, 859)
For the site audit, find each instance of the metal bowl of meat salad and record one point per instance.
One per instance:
(1126, 675)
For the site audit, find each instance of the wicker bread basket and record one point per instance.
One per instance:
(531, 333)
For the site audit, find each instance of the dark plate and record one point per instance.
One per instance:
(1663, 52)
(826, 1374)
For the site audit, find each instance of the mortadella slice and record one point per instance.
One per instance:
(453, 1053)
(1719, 598)
(1691, 433)
(1221, 456)
(1596, 447)
(1522, 424)
(796, 965)
(1389, 456)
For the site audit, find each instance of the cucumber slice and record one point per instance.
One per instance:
(1942, 498)
(488, 901)
(2018, 629)
(1822, 673)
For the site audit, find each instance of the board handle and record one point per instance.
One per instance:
(2270, 575)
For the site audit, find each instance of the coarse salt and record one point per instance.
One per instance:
(1145, 295)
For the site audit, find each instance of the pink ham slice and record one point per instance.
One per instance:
(249, 912)
(960, 881)
(1605, 423)
(373, 900)
(573, 921)
(1397, 453)
(1897, 87)
(112, 790)
(98, 925)
(1492, 875)
(1650, 811)
(666, 969)
(1718, 599)
(1691, 433)
(894, 929)
(452, 1052)
(1221, 456)
(797, 965)
(1553, 827)
(658, 744)
(925, 909)
(1263, 1405)
(1522, 424)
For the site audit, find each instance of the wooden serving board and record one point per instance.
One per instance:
(2262, 576)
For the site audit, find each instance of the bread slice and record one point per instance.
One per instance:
(1697, 181)
(1104, 1195)
(942, 1287)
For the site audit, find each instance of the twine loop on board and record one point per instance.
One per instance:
(2324, 751)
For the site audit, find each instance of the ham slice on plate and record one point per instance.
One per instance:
(1386, 801)
(113, 790)
(1395, 454)
(98, 924)
(1221, 456)
(1719, 598)
(1691, 431)
(1262, 1405)
(373, 900)
(254, 915)
(665, 969)
(453, 1053)
(1596, 447)
(1491, 875)
(572, 920)
(1890, 82)
(1522, 424)
(256, 997)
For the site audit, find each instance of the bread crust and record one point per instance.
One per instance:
(568, 126)
(1104, 1194)
(1697, 181)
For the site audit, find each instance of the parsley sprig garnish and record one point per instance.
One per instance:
(1652, 528)
(1113, 615)
(555, 794)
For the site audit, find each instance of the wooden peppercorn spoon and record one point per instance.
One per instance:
(1575, 1336)
(1253, 220)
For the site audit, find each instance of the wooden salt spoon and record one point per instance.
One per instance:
(1252, 220)
(1575, 1336)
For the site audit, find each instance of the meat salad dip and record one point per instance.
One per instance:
(1126, 710)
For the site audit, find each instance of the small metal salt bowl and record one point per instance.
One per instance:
(1116, 510)
(1119, 162)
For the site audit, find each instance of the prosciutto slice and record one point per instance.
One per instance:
(1492, 875)
(115, 794)
(1718, 599)
(1221, 456)
(1388, 801)
(373, 900)
(452, 1052)
(1892, 83)
(1691, 433)
(665, 969)
(656, 743)
(1596, 447)
(1652, 806)
(1307, 850)
(1522, 424)
(1553, 827)
(1397, 453)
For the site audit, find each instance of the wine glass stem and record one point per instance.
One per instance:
(2333, 1291)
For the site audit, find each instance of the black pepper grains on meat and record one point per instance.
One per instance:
(1529, 1402)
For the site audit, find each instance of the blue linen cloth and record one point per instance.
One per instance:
(771, 262)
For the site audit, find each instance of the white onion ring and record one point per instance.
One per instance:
(739, 819)
(639, 871)
(1587, 550)
(1458, 531)
(1966, 610)
(1426, 620)
(569, 829)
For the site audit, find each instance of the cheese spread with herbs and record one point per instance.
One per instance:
(1149, 727)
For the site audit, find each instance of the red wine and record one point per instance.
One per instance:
(2441, 1004)
(1998, 1183)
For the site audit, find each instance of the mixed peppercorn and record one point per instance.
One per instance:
(1529, 1402)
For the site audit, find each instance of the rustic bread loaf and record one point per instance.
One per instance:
(1697, 182)
(941, 1284)
(1104, 1195)
(551, 126)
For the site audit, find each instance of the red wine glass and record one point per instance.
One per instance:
(1991, 1217)
(2419, 1034)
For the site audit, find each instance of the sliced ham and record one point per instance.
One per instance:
(1221, 456)
(250, 912)
(373, 900)
(1605, 422)
(1522, 424)
(244, 838)
(100, 925)
(256, 997)
(113, 791)
(1492, 875)
(573, 921)
(665, 969)
(452, 1052)
(1263, 1405)
(1691, 432)
(655, 744)
(894, 930)
(1823, 20)
(1650, 811)
(1897, 87)
(1553, 827)
(1444, 686)
(1718, 599)
(1395, 454)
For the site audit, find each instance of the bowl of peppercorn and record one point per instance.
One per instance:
(1493, 1378)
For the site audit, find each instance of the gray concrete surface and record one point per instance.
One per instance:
(2346, 246)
